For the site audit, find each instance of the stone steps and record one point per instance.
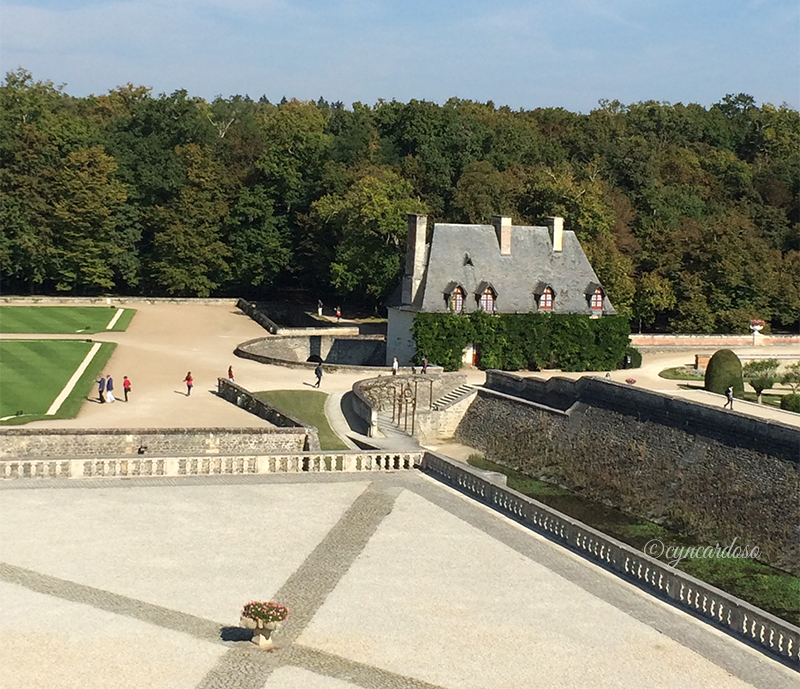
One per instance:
(453, 396)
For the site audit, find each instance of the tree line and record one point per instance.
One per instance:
(689, 214)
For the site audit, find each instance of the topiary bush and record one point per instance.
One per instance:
(791, 403)
(724, 369)
(635, 355)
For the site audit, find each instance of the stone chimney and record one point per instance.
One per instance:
(502, 226)
(416, 256)
(556, 226)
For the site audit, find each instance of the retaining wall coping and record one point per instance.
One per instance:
(520, 400)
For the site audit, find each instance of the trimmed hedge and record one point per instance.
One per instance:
(791, 403)
(724, 369)
(514, 341)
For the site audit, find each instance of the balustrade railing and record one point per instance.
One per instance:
(767, 632)
(208, 465)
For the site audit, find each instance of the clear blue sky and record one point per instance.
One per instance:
(525, 54)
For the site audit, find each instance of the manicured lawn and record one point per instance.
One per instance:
(34, 372)
(771, 589)
(62, 319)
(309, 407)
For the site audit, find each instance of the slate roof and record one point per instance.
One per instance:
(517, 279)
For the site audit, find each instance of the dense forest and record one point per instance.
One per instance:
(688, 214)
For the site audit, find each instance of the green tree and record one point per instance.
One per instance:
(257, 240)
(189, 258)
(368, 224)
(86, 245)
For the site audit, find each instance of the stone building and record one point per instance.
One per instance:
(497, 268)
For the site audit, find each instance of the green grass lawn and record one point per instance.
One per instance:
(34, 372)
(309, 407)
(62, 319)
(766, 587)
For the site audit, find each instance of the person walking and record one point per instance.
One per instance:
(189, 383)
(395, 366)
(101, 389)
(338, 314)
(110, 389)
(230, 373)
(319, 307)
(729, 396)
(318, 374)
(424, 364)
(126, 386)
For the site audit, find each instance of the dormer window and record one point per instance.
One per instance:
(546, 300)
(457, 300)
(596, 302)
(488, 300)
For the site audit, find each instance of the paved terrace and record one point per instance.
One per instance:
(393, 581)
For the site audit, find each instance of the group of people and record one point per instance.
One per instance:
(338, 310)
(105, 388)
(396, 365)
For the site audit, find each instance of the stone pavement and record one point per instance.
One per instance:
(393, 581)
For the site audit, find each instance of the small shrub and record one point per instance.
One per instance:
(791, 403)
(724, 369)
(636, 358)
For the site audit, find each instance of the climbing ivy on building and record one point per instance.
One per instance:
(510, 342)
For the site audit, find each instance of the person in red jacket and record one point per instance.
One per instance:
(126, 386)
(189, 383)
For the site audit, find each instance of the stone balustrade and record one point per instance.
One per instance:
(742, 620)
(127, 467)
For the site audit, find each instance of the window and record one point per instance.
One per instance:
(457, 300)
(546, 300)
(488, 300)
(597, 300)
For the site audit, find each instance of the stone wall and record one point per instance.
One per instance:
(711, 342)
(676, 467)
(261, 318)
(264, 410)
(353, 351)
(69, 443)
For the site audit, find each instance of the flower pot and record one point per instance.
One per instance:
(262, 631)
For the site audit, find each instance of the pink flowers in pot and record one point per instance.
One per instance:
(268, 611)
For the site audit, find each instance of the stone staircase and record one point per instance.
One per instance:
(395, 434)
(453, 396)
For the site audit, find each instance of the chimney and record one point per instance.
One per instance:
(502, 226)
(415, 256)
(556, 226)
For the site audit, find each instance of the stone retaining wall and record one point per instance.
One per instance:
(354, 354)
(756, 627)
(69, 443)
(264, 410)
(711, 342)
(668, 460)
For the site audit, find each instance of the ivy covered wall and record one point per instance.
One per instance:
(510, 342)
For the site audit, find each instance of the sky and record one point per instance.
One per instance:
(520, 53)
